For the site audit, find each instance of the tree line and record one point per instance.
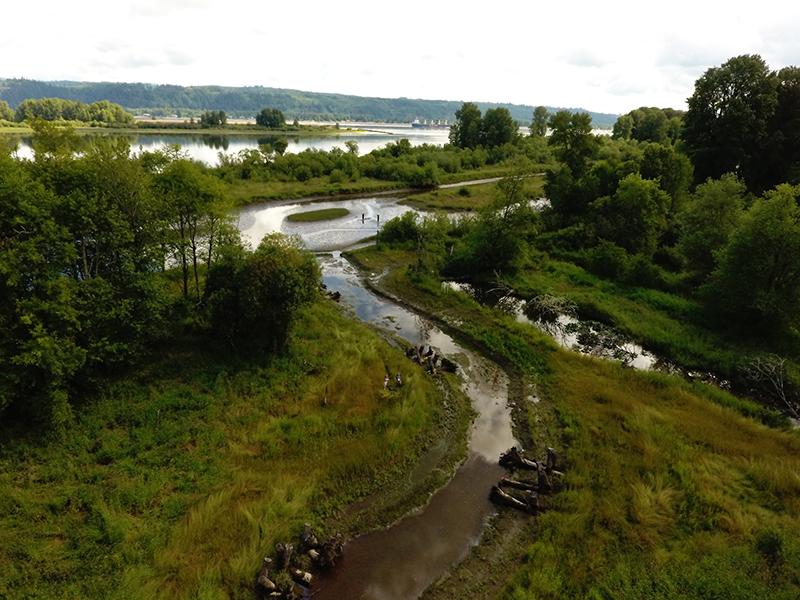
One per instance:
(173, 99)
(54, 109)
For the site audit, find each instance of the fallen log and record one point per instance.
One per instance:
(284, 553)
(530, 504)
(301, 577)
(513, 458)
(519, 485)
(263, 576)
(308, 539)
(551, 459)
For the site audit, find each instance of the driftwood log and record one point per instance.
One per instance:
(285, 554)
(263, 576)
(517, 485)
(301, 577)
(551, 459)
(513, 459)
(529, 503)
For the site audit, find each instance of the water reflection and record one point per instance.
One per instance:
(364, 219)
(206, 147)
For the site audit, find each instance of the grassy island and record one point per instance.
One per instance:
(324, 214)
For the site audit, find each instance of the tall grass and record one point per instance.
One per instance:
(667, 495)
(672, 489)
(182, 477)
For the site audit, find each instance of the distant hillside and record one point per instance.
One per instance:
(246, 101)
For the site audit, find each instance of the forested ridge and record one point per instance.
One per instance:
(247, 101)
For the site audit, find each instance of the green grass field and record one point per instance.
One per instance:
(324, 214)
(671, 490)
(468, 198)
(244, 191)
(181, 477)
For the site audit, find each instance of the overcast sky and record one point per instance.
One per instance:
(610, 56)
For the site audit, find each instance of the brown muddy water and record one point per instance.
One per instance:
(402, 560)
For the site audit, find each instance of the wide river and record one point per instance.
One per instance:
(206, 148)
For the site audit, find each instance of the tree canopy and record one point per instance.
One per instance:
(649, 124)
(758, 277)
(539, 123)
(466, 130)
(270, 117)
(743, 119)
(53, 109)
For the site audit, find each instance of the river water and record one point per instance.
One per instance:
(206, 147)
(402, 560)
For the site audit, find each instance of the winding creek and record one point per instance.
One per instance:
(402, 560)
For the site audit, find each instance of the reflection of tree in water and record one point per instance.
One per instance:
(599, 340)
(423, 327)
(552, 313)
(217, 142)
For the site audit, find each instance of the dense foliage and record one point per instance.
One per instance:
(213, 118)
(626, 209)
(649, 124)
(54, 109)
(91, 242)
(471, 129)
(744, 119)
(416, 166)
(270, 117)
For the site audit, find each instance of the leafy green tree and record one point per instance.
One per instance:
(6, 112)
(254, 297)
(498, 128)
(758, 277)
(496, 242)
(671, 168)
(785, 154)
(539, 123)
(623, 128)
(571, 135)
(727, 128)
(466, 130)
(708, 220)
(649, 124)
(213, 118)
(191, 196)
(38, 354)
(271, 117)
(635, 216)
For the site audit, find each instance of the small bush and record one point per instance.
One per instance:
(400, 229)
(608, 260)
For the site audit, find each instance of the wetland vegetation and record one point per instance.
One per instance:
(175, 400)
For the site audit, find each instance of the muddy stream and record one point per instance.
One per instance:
(402, 560)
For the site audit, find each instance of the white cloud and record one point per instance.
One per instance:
(612, 56)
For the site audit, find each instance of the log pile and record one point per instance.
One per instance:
(431, 359)
(525, 495)
(287, 576)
